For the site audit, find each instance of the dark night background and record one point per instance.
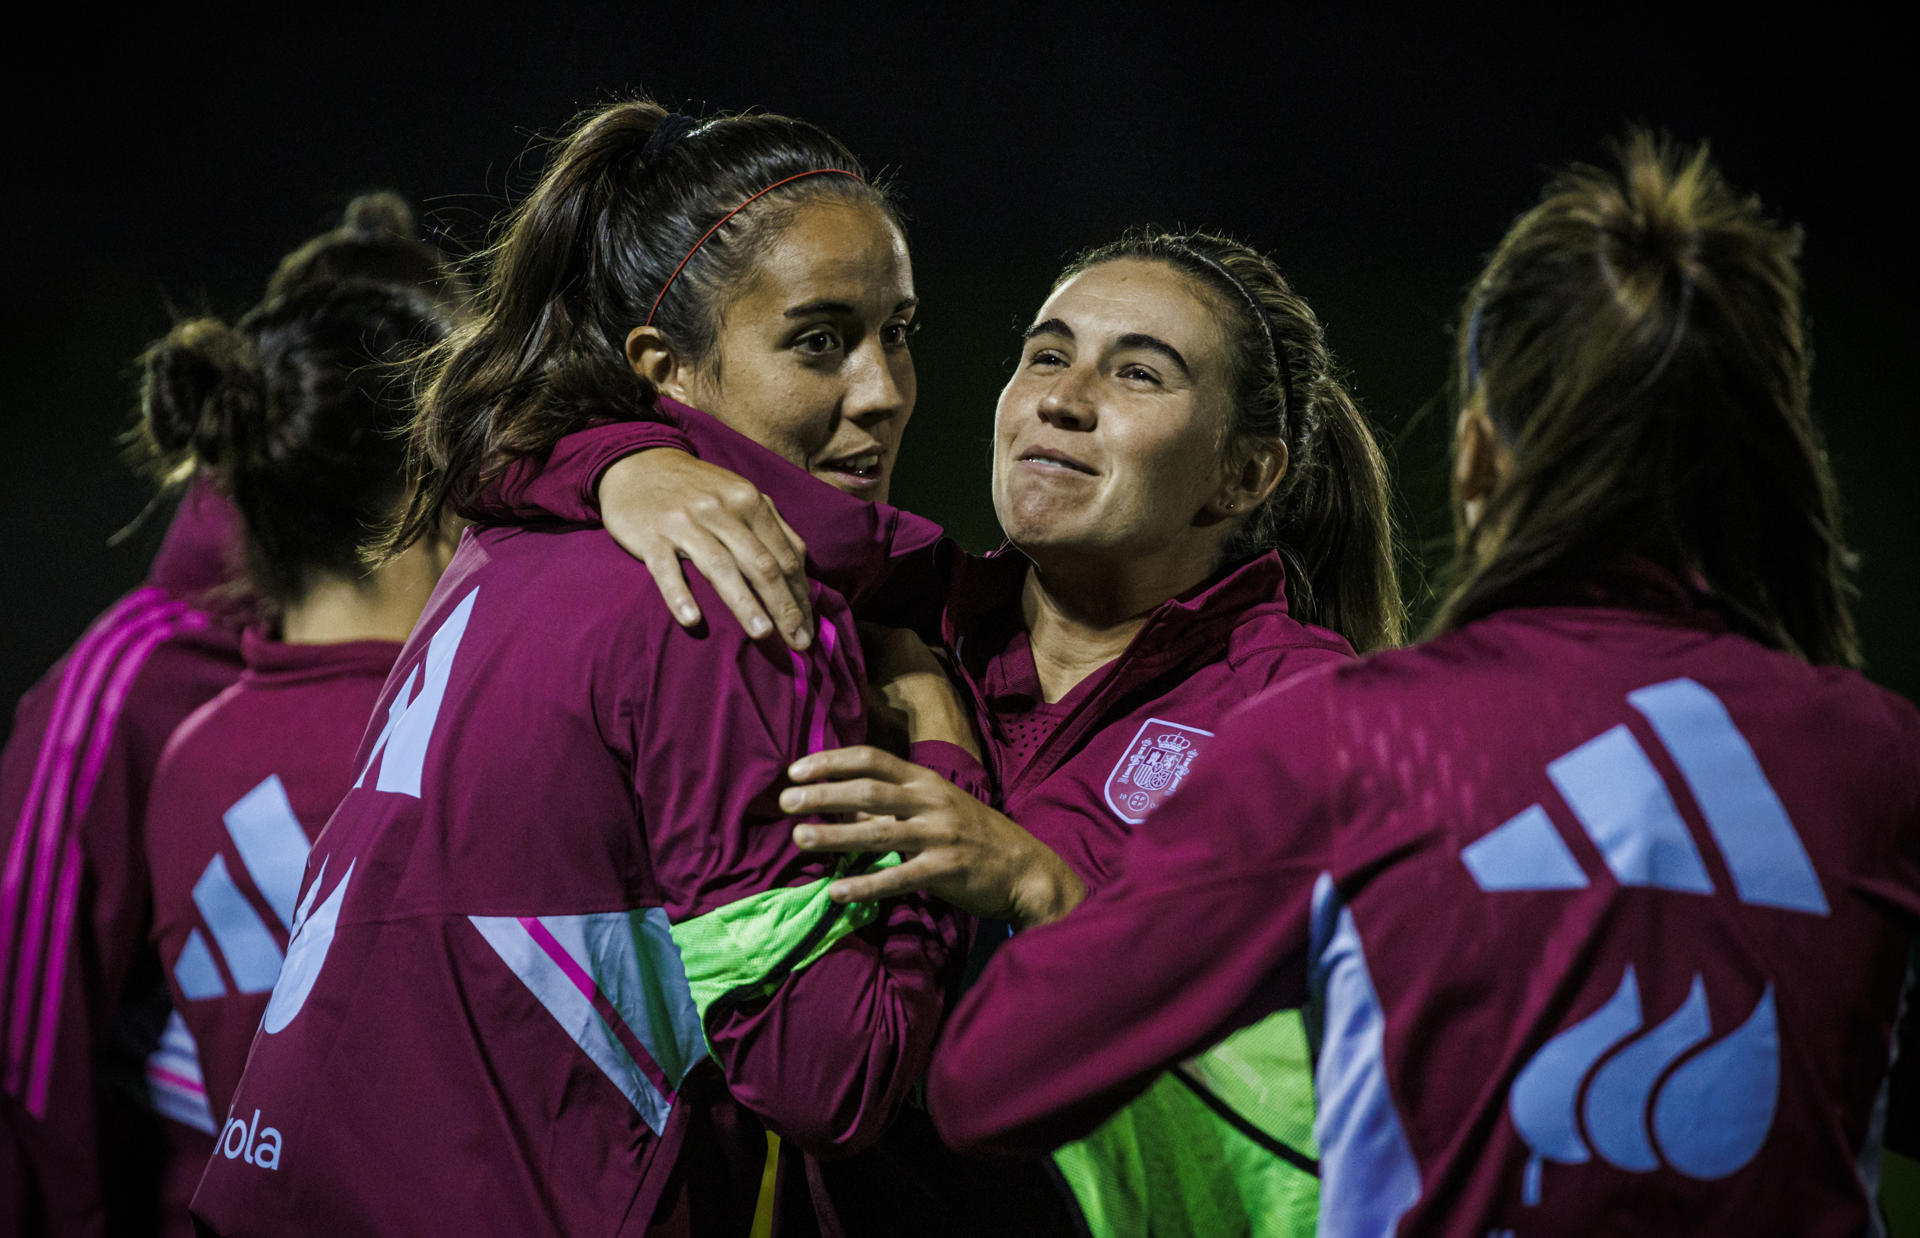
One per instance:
(170, 165)
(170, 162)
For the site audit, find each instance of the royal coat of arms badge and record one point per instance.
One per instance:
(1152, 768)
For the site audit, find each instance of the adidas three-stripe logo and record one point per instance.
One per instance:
(273, 849)
(1628, 811)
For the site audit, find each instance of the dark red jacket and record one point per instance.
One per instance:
(81, 1004)
(1606, 912)
(242, 787)
(556, 959)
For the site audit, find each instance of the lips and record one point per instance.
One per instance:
(865, 464)
(1047, 456)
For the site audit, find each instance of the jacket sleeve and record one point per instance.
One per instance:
(956, 765)
(1204, 930)
(77, 989)
(821, 1016)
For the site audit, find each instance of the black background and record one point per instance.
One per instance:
(168, 165)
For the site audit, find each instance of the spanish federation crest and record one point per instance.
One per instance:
(1154, 766)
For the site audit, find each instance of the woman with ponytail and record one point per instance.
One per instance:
(556, 965)
(105, 1101)
(1196, 510)
(1604, 896)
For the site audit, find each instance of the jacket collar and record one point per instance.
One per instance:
(276, 660)
(984, 614)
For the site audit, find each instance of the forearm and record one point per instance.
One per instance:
(564, 486)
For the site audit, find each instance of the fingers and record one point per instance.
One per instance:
(793, 539)
(860, 761)
(789, 554)
(905, 878)
(722, 569)
(660, 503)
(772, 569)
(868, 795)
(664, 563)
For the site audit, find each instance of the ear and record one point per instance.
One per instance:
(1262, 464)
(652, 358)
(1480, 459)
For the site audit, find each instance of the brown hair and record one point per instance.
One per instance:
(1330, 517)
(296, 409)
(1639, 344)
(626, 196)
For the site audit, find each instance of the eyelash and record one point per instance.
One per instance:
(894, 335)
(818, 333)
(1140, 373)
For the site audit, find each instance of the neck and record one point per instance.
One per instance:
(1081, 615)
(383, 605)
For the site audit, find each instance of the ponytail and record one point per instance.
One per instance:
(1330, 518)
(1638, 343)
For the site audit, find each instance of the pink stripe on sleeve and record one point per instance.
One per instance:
(66, 910)
(60, 752)
(79, 665)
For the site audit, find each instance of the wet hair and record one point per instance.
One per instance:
(1330, 518)
(296, 410)
(581, 262)
(1639, 344)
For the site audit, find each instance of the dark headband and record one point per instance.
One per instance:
(667, 134)
(1259, 314)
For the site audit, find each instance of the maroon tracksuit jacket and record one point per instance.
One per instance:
(1606, 913)
(243, 786)
(556, 959)
(81, 1003)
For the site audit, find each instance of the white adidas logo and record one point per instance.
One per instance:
(273, 849)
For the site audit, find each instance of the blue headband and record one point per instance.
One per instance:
(1473, 345)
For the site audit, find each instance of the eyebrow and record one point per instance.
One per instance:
(841, 307)
(1133, 339)
(1155, 344)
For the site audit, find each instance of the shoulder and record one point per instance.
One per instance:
(570, 583)
(1268, 645)
(200, 730)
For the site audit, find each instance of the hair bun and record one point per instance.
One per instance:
(196, 382)
(380, 214)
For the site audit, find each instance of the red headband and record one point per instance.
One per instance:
(729, 215)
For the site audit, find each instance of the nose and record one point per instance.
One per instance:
(880, 384)
(1068, 401)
